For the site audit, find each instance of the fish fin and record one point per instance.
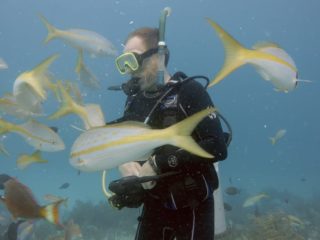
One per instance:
(181, 131)
(273, 140)
(3, 150)
(42, 67)
(77, 128)
(235, 53)
(80, 63)
(3, 64)
(73, 90)
(52, 31)
(55, 89)
(304, 80)
(95, 115)
(51, 212)
(21, 162)
(34, 78)
(86, 77)
(37, 155)
(69, 106)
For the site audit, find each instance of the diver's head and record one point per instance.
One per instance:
(140, 58)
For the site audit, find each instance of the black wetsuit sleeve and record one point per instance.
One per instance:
(208, 134)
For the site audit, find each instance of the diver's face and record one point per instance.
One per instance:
(148, 71)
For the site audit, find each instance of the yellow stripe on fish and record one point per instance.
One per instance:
(272, 62)
(110, 146)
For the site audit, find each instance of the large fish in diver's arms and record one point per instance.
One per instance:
(112, 145)
(270, 60)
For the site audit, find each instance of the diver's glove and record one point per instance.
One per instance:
(129, 201)
(128, 192)
(171, 159)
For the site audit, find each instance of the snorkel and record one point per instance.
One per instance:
(162, 45)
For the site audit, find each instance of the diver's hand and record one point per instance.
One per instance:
(148, 169)
(130, 169)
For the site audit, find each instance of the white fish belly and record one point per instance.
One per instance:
(44, 138)
(280, 53)
(86, 40)
(26, 97)
(94, 149)
(281, 76)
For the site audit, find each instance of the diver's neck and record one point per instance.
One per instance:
(166, 79)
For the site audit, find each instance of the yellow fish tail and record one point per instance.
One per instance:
(52, 31)
(42, 67)
(25, 160)
(55, 89)
(51, 212)
(180, 133)
(273, 140)
(85, 75)
(235, 53)
(69, 106)
(35, 77)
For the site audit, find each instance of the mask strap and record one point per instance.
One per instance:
(147, 54)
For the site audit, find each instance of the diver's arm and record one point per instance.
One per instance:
(208, 134)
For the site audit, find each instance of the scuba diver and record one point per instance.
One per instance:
(179, 204)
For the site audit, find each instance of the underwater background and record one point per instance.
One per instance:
(288, 171)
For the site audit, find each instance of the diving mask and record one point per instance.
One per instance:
(131, 61)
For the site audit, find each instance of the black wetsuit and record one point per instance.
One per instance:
(181, 206)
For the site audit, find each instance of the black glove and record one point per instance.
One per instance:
(3, 179)
(129, 201)
(171, 158)
(128, 192)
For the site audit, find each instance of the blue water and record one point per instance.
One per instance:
(252, 107)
